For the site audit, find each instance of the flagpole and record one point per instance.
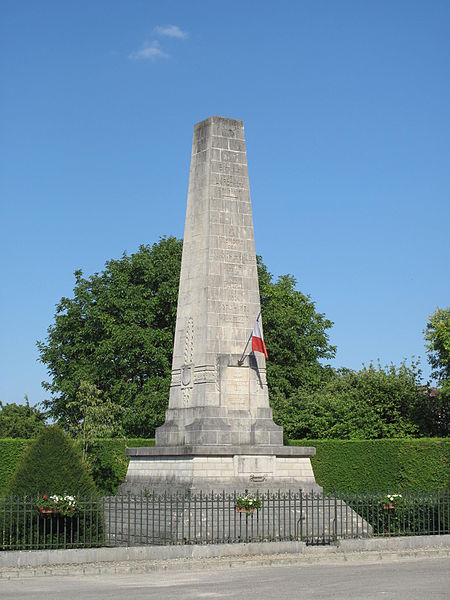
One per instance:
(241, 360)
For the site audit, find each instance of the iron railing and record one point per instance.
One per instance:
(24, 527)
(163, 519)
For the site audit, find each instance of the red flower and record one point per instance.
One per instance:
(41, 508)
(45, 497)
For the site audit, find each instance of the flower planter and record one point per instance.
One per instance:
(64, 506)
(49, 511)
(243, 509)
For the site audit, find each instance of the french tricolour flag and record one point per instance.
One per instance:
(258, 344)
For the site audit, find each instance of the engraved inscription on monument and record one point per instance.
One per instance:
(235, 388)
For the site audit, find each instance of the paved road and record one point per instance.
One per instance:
(411, 579)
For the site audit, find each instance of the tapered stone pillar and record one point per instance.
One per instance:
(219, 432)
(214, 400)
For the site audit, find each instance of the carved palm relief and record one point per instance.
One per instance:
(186, 369)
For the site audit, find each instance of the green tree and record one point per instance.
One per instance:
(296, 336)
(93, 417)
(372, 403)
(52, 465)
(21, 420)
(437, 334)
(117, 333)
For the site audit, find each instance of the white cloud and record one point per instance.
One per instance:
(172, 31)
(149, 51)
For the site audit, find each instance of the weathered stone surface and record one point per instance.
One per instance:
(218, 304)
(227, 472)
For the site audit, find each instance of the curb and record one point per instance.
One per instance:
(98, 561)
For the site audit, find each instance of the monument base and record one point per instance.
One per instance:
(187, 494)
(215, 469)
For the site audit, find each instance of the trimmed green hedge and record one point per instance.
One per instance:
(11, 450)
(374, 465)
(342, 465)
(109, 466)
(109, 462)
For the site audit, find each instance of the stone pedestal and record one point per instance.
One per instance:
(182, 469)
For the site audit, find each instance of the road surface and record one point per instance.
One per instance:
(408, 579)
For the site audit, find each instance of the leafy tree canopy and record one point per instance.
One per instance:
(295, 334)
(93, 416)
(111, 347)
(437, 334)
(20, 420)
(372, 403)
(116, 334)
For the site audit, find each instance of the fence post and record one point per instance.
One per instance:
(335, 518)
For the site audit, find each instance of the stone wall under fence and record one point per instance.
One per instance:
(213, 518)
(198, 518)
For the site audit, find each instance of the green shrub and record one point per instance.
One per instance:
(20, 420)
(375, 465)
(410, 513)
(52, 464)
(373, 403)
(339, 465)
(11, 450)
(108, 462)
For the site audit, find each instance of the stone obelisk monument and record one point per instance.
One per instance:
(219, 432)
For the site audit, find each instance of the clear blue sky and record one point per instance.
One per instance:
(346, 107)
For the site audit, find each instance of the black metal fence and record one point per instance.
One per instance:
(24, 527)
(215, 518)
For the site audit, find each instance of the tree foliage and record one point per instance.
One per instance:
(111, 346)
(93, 417)
(372, 403)
(437, 334)
(295, 334)
(117, 334)
(21, 420)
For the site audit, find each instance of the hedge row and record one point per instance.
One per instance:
(10, 452)
(109, 462)
(378, 465)
(342, 465)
